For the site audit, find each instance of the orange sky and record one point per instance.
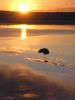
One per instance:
(51, 5)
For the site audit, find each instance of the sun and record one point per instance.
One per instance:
(23, 8)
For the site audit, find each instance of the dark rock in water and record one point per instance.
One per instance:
(45, 61)
(44, 51)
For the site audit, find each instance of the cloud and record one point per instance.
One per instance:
(19, 82)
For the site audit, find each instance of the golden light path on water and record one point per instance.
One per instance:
(23, 32)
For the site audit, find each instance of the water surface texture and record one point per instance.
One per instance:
(23, 73)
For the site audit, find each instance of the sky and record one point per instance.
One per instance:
(42, 5)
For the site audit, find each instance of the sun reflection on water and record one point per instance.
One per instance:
(23, 32)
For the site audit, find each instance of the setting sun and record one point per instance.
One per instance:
(23, 8)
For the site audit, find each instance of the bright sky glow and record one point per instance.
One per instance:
(51, 5)
(23, 8)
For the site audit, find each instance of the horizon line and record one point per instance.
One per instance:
(38, 11)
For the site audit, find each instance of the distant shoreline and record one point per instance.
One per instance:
(37, 18)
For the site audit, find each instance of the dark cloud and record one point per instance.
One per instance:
(18, 82)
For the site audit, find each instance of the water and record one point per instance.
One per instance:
(23, 70)
(24, 41)
(19, 44)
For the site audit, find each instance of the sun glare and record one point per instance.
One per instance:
(24, 8)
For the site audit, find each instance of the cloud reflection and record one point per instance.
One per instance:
(19, 82)
(18, 51)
